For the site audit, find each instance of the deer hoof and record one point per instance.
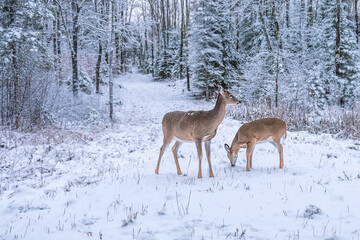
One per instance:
(179, 173)
(157, 171)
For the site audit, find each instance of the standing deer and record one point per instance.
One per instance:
(194, 126)
(259, 131)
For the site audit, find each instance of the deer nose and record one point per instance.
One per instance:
(238, 102)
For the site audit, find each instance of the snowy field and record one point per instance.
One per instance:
(99, 183)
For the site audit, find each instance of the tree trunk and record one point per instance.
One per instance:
(2, 103)
(74, 58)
(277, 79)
(309, 25)
(154, 30)
(357, 21)
(164, 29)
(145, 55)
(310, 14)
(122, 44)
(302, 20)
(117, 40)
(207, 94)
(237, 32)
(186, 45)
(111, 105)
(13, 89)
(53, 36)
(168, 23)
(265, 30)
(15, 108)
(338, 39)
(287, 6)
(277, 28)
(182, 38)
(152, 54)
(97, 69)
(175, 14)
(58, 44)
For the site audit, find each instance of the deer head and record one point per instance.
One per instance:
(227, 96)
(231, 155)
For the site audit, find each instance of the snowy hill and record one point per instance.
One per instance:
(100, 183)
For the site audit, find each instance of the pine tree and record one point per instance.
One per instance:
(230, 56)
(326, 50)
(249, 31)
(348, 58)
(257, 60)
(24, 61)
(213, 56)
(338, 52)
(168, 61)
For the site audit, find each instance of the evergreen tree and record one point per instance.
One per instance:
(213, 59)
(257, 60)
(168, 62)
(348, 58)
(327, 48)
(24, 61)
(338, 53)
(230, 56)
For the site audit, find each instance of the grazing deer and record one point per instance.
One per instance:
(194, 126)
(262, 130)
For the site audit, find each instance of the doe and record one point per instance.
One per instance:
(262, 130)
(194, 126)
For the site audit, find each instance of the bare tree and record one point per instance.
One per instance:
(110, 46)
(72, 38)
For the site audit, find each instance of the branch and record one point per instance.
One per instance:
(66, 30)
(81, 5)
(131, 9)
(265, 31)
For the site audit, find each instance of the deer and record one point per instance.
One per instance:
(259, 131)
(195, 126)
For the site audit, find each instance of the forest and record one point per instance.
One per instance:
(295, 59)
(93, 91)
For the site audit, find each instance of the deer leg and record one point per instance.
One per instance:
(281, 155)
(199, 150)
(251, 155)
(174, 149)
(249, 149)
(207, 148)
(162, 149)
(279, 147)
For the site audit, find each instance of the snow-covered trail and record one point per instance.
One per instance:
(103, 183)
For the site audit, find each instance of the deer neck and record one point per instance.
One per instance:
(236, 145)
(218, 112)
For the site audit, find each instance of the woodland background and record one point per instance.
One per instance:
(298, 60)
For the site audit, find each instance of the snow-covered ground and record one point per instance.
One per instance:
(99, 183)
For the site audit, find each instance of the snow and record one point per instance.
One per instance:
(99, 183)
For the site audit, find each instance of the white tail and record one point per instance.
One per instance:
(195, 126)
(262, 130)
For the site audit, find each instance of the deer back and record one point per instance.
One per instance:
(260, 130)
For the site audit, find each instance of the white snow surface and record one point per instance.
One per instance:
(99, 183)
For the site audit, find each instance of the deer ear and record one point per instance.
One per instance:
(218, 89)
(227, 148)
